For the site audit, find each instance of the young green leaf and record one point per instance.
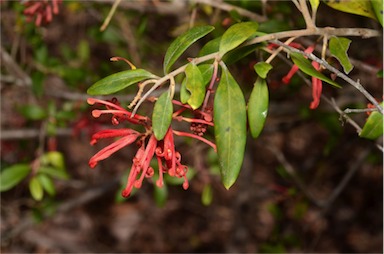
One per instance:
(338, 46)
(314, 5)
(54, 172)
(373, 127)
(207, 195)
(359, 7)
(195, 85)
(235, 35)
(230, 127)
(258, 107)
(47, 184)
(305, 66)
(262, 69)
(36, 189)
(162, 115)
(12, 175)
(181, 43)
(54, 158)
(118, 81)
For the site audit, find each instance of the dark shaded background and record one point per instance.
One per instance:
(308, 184)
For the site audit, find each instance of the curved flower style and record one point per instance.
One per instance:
(168, 159)
(317, 84)
(42, 9)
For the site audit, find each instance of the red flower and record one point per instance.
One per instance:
(42, 9)
(168, 159)
(295, 68)
(317, 84)
(128, 137)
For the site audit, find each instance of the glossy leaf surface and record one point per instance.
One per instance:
(338, 46)
(258, 107)
(162, 115)
(305, 66)
(230, 127)
(359, 7)
(181, 43)
(377, 6)
(12, 175)
(195, 85)
(118, 81)
(235, 35)
(373, 128)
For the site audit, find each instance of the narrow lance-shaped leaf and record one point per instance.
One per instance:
(235, 35)
(118, 81)
(373, 127)
(12, 175)
(162, 115)
(258, 107)
(194, 84)
(36, 189)
(230, 127)
(338, 46)
(305, 66)
(181, 43)
(47, 184)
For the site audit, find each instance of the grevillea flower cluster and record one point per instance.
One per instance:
(41, 11)
(168, 158)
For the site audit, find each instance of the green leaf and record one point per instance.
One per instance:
(118, 81)
(54, 172)
(184, 94)
(11, 176)
(235, 35)
(262, 69)
(162, 115)
(338, 46)
(239, 53)
(377, 6)
(230, 127)
(207, 195)
(305, 66)
(47, 184)
(33, 112)
(359, 7)
(373, 127)
(36, 189)
(314, 5)
(56, 159)
(258, 107)
(210, 47)
(181, 43)
(195, 85)
(206, 72)
(160, 195)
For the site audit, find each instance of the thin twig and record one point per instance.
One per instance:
(307, 17)
(228, 7)
(110, 15)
